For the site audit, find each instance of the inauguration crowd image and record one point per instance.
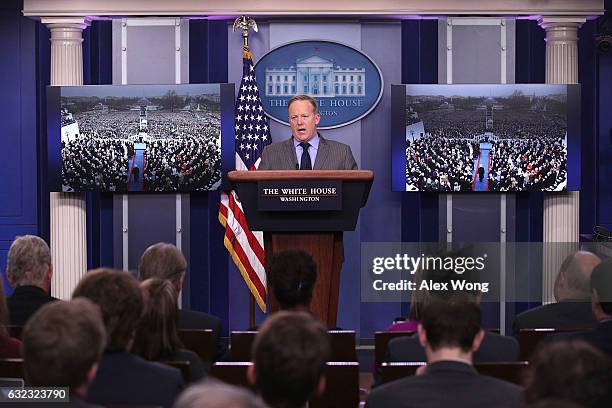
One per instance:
(486, 138)
(164, 139)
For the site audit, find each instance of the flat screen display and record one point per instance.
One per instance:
(137, 138)
(494, 137)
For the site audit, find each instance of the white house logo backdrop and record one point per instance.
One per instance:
(346, 83)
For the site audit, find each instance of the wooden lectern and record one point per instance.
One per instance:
(317, 231)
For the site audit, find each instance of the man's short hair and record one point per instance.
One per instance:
(289, 355)
(28, 261)
(601, 284)
(215, 394)
(313, 102)
(451, 323)
(292, 274)
(61, 341)
(569, 370)
(164, 261)
(120, 299)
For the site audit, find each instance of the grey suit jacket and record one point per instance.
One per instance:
(331, 155)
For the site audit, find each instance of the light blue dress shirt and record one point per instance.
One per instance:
(312, 150)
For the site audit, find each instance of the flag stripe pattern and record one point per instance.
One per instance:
(252, 134)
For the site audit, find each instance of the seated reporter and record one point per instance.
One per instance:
(62, 346)
(572, 371)
(123, 377)
(293, 275)
(450, 333)
(157, 336)
(601, 302)
(572, 308)
(289, 359)
(494, 347)
(166, 261)
(29, 271)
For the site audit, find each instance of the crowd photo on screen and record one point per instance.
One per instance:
(486, 138)
(140, 138)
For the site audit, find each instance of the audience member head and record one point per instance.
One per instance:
(289, 357)
(570, 370)
(572, 282)
(292, 275)
(62, 345)
(164, 261)
(121, 301)
(450, 330)
(157, 333)
(29, 263)
(435, 272)
(215, 394)
(601, 287)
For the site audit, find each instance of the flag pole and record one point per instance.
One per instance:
(243, 23)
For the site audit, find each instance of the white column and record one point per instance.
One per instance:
(68, 210)
(561, 211)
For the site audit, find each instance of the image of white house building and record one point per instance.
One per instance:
(315, 76)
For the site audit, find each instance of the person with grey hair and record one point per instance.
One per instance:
(573, 294)
(306, 149)
(215, 394)
(29, 271)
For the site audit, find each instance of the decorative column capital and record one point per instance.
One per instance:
(66, 22)
(561, 48)
(565, 22)
(66, 48)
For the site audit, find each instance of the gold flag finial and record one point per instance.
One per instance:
(244, 23)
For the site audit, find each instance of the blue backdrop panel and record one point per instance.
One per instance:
(380, 219)
(604, 196)
(587, 77)
(97, 70)
(208, 63)
(419, 66)
(18, 127)
(145, 210)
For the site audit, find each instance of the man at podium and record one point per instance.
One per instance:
(306, 149)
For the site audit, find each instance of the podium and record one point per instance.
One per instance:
(307, 210)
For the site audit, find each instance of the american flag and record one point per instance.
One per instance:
(252, 135)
